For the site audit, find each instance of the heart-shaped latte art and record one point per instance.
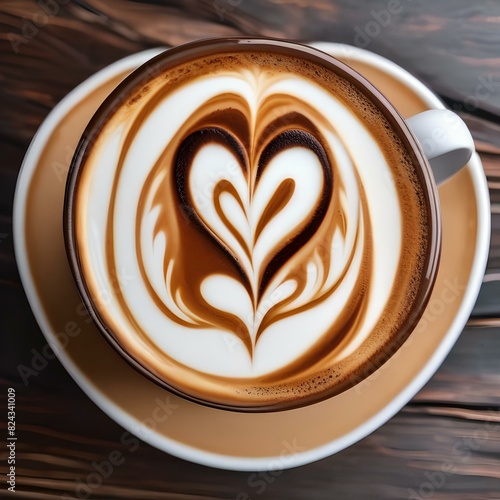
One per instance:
(259, 208)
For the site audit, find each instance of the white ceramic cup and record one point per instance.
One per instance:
(443, 138)
(222, 430)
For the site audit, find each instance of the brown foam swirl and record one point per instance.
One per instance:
(252, 218)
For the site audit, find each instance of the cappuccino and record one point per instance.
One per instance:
(250, 224)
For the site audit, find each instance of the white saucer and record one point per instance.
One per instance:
(214, 437)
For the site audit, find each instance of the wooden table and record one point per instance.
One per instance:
(48, 47)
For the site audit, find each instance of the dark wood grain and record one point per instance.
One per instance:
(445, 444)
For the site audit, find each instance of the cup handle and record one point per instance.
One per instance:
(445, 140)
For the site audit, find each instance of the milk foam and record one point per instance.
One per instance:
(285, 341)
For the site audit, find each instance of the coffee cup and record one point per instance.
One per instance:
(252, 225)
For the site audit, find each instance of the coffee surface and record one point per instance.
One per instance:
(251, 229)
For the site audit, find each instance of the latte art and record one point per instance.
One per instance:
(256, 215)
(269, 221)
